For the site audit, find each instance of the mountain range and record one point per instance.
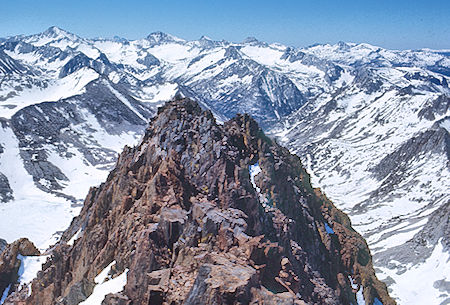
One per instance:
(371, 126)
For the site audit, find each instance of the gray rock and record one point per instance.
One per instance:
(3, 245)
(6, 193)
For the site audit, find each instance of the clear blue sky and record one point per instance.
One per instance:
(398, 24)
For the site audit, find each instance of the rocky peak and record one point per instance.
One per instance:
(3, 245)
(252, 41)
(201, 213)
(10, 261)
(53, 31)
(58, 33)
(207, 42)
(161, 38)
(233, 52)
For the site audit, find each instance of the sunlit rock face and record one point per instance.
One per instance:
(185, 219)
(370, 124)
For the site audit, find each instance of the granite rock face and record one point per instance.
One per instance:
(188, 219)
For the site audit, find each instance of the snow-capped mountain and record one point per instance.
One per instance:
(372, 125)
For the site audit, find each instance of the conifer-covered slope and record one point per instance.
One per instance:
(201, 213)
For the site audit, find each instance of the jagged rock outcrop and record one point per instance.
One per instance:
(3, 245)
(10, 261)
(186, 222)
(5, 188)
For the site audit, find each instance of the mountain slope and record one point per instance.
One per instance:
(370, 124)
(182, 220)
(387, 166)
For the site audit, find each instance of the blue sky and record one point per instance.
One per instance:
(397, 24)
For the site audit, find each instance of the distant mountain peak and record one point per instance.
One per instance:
(53, 29)
(120, 39)
(48, 36)
(343, 45)
(207, 42)
(254, 42)
(250, 39)
(57, 32)
(161, 37)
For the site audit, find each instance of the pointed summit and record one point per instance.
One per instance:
(253, 42)
(203, 209)
(50, 35)
(233, 52)
(53, 30)
(205, 38)
(250, 40)
(56, 32)
(207, 42)
(161, 38)
(120, 39)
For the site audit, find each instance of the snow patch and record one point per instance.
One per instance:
(446, 124)
(29, 267)
(106, 285)
(360, 297)
(263, 55)
(415, 286)
(158, 93)
(75, 237)
(254, 170)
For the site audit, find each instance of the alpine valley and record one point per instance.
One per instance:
(370, 125)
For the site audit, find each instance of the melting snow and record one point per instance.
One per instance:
(360, 297)
(106, 285)
(29, 267)
(376, 301)
(75, 237)
(254, 170)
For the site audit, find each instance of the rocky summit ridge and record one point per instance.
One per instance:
(371, 126)
(201, 213)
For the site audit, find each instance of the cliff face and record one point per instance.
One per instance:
(200, 213)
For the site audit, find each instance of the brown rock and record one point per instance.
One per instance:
(180, 213)
(116, 299)
(10, 262)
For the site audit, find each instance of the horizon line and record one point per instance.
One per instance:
(248, 38)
